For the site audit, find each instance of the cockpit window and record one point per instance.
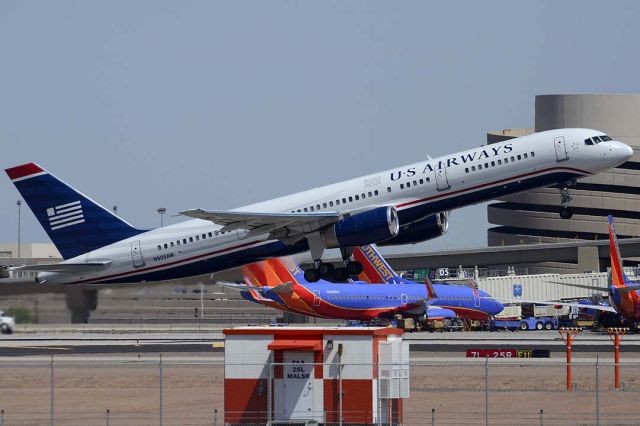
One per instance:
(605, 138)
(588, 141)
(596, 139)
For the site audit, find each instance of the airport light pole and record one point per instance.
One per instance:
(161, 211)
(19, 204)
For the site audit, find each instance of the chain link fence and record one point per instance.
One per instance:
(183, 391)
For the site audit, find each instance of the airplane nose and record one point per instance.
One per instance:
(625, 152)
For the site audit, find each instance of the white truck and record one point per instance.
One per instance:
(7, 323)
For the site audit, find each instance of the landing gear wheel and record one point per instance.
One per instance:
(312, 275)
(341, 274)
(326, 269)
(566, 212)
(354, 268)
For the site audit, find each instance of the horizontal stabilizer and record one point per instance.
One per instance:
(286, 288)
(70, 268)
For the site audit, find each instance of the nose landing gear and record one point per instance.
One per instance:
(566, 212)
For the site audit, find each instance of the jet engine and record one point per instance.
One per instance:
(422, 230)
(368, 227)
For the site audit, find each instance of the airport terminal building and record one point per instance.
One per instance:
(533, 217)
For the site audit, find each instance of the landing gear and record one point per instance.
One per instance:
(312, 275)
(354, 268)
(566, 212)
(565, 199)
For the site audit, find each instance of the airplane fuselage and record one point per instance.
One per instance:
(417, 190)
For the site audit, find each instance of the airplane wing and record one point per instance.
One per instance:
(577, 305)
(261, 223)
(70, 268)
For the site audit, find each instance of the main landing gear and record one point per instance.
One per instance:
(329, 272)
(565, 199)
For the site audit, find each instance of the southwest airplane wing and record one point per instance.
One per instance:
(65, 267)
(259, 223)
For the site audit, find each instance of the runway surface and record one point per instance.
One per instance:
(212, 342)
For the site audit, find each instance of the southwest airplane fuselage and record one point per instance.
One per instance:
(416, 191)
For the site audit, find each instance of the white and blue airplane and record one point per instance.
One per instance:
(403, 205)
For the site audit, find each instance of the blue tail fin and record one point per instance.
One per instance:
(75, 223)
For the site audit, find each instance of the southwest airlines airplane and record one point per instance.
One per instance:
(279, 283)
(403, 205)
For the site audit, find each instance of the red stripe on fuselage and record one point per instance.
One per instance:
(445, 194)
(23, 171)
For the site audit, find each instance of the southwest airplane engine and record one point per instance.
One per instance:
(368, 227)
(422, 230)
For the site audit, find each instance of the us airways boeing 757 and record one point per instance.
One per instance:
(403, 205)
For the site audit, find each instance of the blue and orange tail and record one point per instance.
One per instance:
(75, 223)
(375, 269)
(618, 277)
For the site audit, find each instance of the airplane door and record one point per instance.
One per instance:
(560, 148)
(476, 299)
(316, 298)
(136, 254)
(404, 299)
(442, 182)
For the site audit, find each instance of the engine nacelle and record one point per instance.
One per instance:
(426, 229)
(371, 226)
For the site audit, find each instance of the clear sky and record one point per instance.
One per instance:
(216, 105)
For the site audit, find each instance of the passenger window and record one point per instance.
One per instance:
(421, 181)
(506, 160)
(428, 179)
(525, 155)
(305, 209)
(533, 154)
(344, 201)
(159, 247)
(479, 166)
(324, 205)
(190, 239)
(350, 199)
(184, 240)
(388, 189)
(370, 195)
(197, 238)
(376, 192)
(357, 198)
(204, 236)
(519, 157)
(166, 245)
(337, 202)
(311, 208)
(317, 206)
(402, 186)
(178, 242)
(513, 158)
(486, 165)
(493, 164)
(466, 170)
(171, 244)
(330, 203)
(499, 162)
(473, 168)
(363, 196)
